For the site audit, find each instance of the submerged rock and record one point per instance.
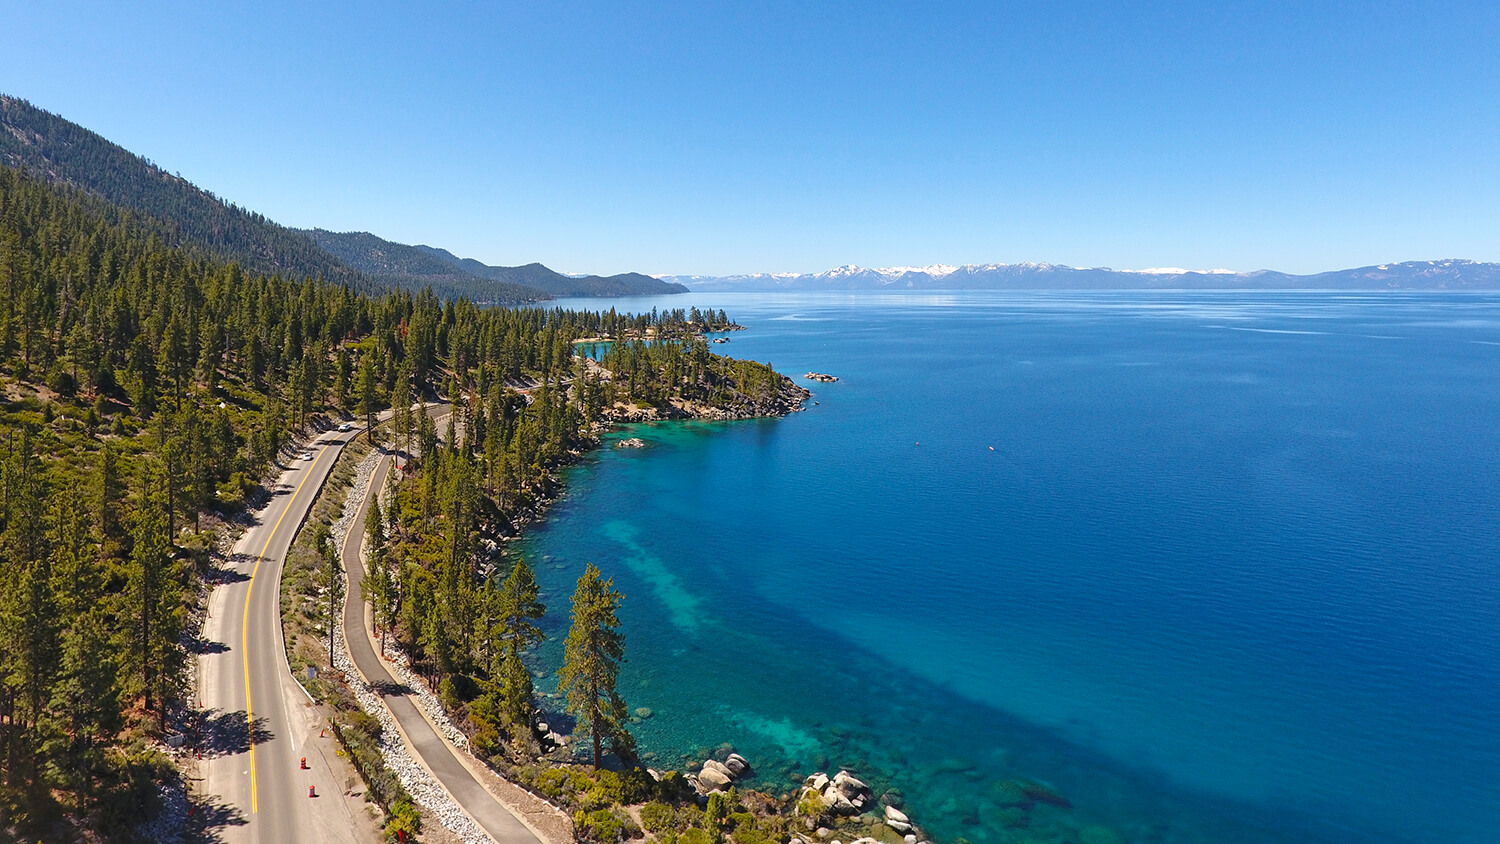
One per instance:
(1045, 794)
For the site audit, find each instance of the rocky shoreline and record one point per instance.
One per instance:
(788, 398)
(824, 807)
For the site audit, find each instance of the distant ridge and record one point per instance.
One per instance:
(557, 284)
(1450, 274)
(398, 265)
(417, 265)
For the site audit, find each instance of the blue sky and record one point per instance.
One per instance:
(765, 136)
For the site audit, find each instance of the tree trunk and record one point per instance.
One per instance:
(594, 723)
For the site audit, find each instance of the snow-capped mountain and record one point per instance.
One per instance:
(1451, 274)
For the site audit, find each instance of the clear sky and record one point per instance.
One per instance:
(748, 136)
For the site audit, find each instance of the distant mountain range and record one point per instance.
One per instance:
(1450, 274)
(182, 214)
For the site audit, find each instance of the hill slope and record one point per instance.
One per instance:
(62, 152)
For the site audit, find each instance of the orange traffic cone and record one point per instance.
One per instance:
(312, 791)
(304, 763)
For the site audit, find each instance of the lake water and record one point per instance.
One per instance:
(1214, 566)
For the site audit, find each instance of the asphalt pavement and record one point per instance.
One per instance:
(259, 723)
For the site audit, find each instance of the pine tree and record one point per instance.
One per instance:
(591, 664)
(369, 399)
(85, 706)
(150, 592)
(377, 587)
(518, 608)
(332, 576)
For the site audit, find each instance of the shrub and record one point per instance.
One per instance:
(811, 806)
(675, 788)
(657, 817)
(741, 819)
(748, 834)
(552, 782)
(594, 799)
(720, 805)
(636, 786)
(602, 826)
(404, 819)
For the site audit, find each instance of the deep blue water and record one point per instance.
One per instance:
(1215, 566)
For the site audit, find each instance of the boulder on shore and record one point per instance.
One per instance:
(897, 820)
(714, 776)
(842, 795)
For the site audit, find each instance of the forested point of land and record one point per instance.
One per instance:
(147, 386)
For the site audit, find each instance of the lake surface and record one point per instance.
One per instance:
(1214, 566)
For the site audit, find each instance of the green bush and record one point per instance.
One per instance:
(741, 819)
(602, 826)
(552, 782)
(748, 834)
(717, 810)
(595, 799)
(637, 786)
(404, 819)
(811, 806)
(657, 817)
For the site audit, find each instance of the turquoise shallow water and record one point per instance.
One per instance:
(1215, 566)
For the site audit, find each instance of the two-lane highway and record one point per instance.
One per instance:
(260, 723)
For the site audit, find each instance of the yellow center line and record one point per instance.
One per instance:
(245, 629)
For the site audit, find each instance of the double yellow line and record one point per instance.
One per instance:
(245, 628)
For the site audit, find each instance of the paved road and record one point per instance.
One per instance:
(421, 739)
(260, 723)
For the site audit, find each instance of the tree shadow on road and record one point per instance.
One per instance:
(228, 733)
(227, 572)
(199, 645)
(391, 688)
(209, 818)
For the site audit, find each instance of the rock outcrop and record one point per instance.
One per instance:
(719, 776)
(842, 794)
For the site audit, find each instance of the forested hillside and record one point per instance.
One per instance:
(62, 152)
(397, 265)
(146, 390)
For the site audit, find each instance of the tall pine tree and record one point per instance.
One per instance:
(591, 665)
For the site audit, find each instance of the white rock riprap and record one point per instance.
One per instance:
(170, 824)
(428, 793)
